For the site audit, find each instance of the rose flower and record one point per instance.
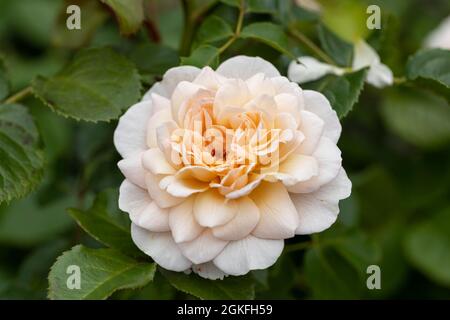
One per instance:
(221, 166)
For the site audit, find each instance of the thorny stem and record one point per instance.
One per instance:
(311, 45)
(19, 95)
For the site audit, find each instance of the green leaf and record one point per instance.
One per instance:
(102, 271)
(96, 86)
(27, 223)
(235, 288)
(335, 267)
(268, 33)
(342, 91)
(254, 6)
(204, 55)
(419, 118)
(339, 50)
(214, 29)
(427, 246)
(22, 160)
(129, 13)
(110, 227)
(4, 80)
(154, 58)
(431, 69)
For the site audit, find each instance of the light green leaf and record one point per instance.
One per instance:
(154, 58)
(342, 91)
(96, 86)
(228, 288)
(204, 55)
(335, 267)
(431, 69)
(427, 246)
(268, 33)
(4, 80)
(110, 227)
(22, 160)
(339, 50)
(102, 271)
(213, 29)
(420, 118)
(129, 13)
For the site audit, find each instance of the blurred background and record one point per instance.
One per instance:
(395, 146)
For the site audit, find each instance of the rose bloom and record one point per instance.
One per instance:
(221, 166)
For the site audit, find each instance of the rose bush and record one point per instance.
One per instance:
(221, 166)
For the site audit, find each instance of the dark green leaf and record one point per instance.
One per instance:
(428, 247)
(213, 29)
(339, 50)
(342, 91)
(110, 227)
(204, 55)
(154, 58)
(268, 33)
(253, 6)
(431, 69)
(228, 288)
(418, 117)
(129, 13)
(103, 271)
(96, 86)
(20, 153)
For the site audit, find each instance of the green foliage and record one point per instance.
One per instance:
(153, 58)
(427, 246)
(4, 80)
(339, 50)
(268, 33)
(342, 91)
(214, 29)
(228, 288)
(204, 55)
(22, 162)
(110, 227)
(431, 69)
(96, 86)
(103, 271)
(418, 117)
(129, 13)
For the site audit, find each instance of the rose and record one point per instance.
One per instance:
(222, 166)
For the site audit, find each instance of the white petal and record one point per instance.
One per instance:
(251, 253)
(161, 247)
(278, 217)
(297, 168)
(159, 103)
(289, 103)
(380, 76)
(202, 249)
(310, 69)
(209, 271)
(312, 127)
(246, 190)
(329, 158)
(154, 161)
(142, 210)
(211, 209)
(133, 170)
(209, 79)
(130, 134)
(155, 121)
(317, 103)
(440, 37)
(230, 99)
(318, 210)
(182, 222)
(182, 187)
(183, 92)
(162, 198)
(242, 224)
(171, 79)
(243, 67)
